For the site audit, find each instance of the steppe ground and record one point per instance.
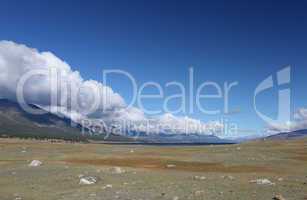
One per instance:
(153, 172)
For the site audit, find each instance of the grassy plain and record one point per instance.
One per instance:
(153, 172)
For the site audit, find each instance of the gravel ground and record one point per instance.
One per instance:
(256, 170)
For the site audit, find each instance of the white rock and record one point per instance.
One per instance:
(35, 163)
(279, 197)
(262, 182)
(280, 179)
(170, 166)
(229, 177)
(199, 193)
(118, 170)
(200, 178)
(175, 198)
(89, 180)
(107, 186)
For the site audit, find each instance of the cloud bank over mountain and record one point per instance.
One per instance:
(51, 83)
(299, 122)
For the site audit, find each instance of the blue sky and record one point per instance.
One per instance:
(159, 40)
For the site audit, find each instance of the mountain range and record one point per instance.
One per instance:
(289, 135)
(15, 122)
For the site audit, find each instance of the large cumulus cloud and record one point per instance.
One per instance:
(76, 96)
(299, 122)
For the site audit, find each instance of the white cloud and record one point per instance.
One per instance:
(76, 95)
(299, 122)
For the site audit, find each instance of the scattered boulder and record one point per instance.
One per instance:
(89, 180)
(228, 177)
(17, 197)
(201, 178)
(35, 163)
(170, 166)
(199, 193)
(262, 182)
(107, 186)
(278, 197)
(280, 179)
(117, 170)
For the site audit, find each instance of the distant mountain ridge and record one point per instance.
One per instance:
(15, 122)
(164, 138)
(289, 135)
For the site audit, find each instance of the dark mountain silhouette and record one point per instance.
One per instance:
(289, 135)
(15, 122)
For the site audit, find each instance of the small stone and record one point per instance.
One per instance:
(118, 170)
(170, 166)
(228, 177)
(262, 182)
(88, 180)
(107, 186)
(199, 193)
(280, 179)
(175, 198)
(200, 178)
(278, 197)
(35, 163)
